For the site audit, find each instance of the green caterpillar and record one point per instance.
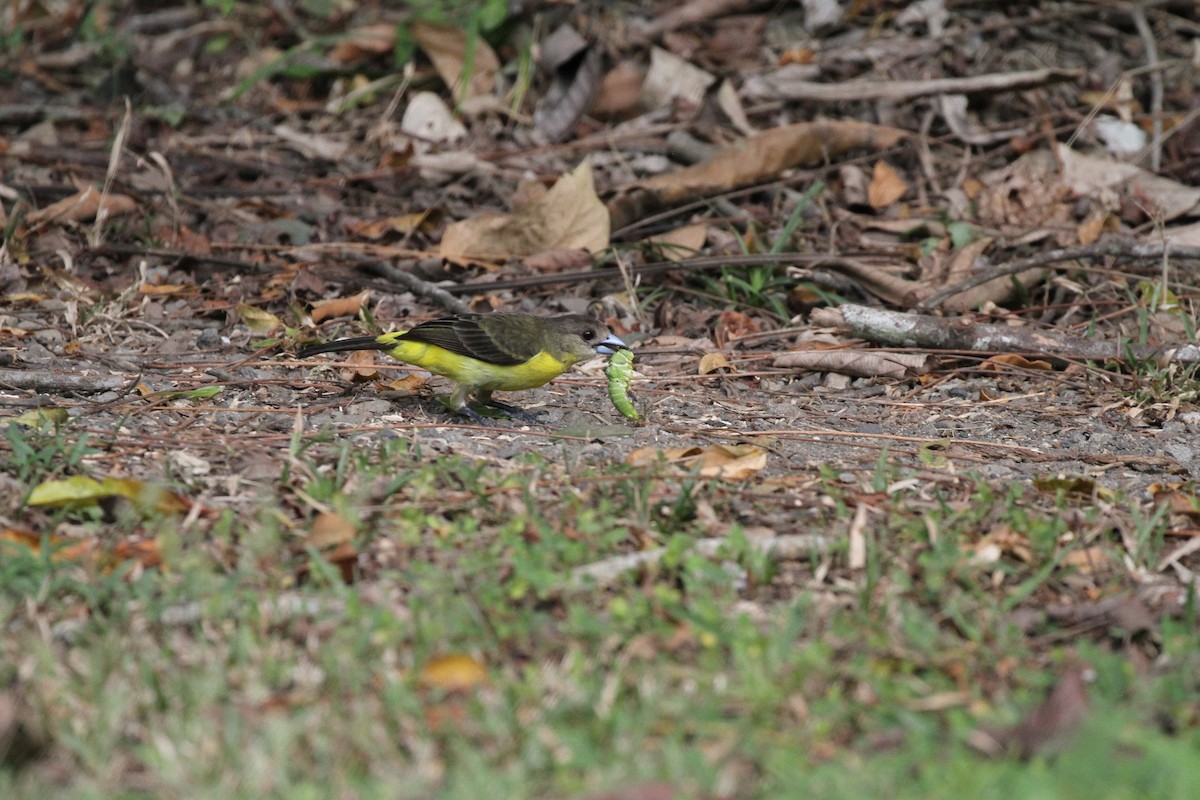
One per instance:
(619, 372)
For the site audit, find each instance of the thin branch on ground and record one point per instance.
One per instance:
(606, 573)
(1108, 249)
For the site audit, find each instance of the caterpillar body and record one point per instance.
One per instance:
(619, 372)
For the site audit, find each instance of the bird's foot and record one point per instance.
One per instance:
(475, 416)
(491, 412)
(515, 412)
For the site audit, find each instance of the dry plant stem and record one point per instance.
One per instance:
(898, 329)
(696, 264)
(1156, 84)
(907, 90)
(1113, 249)
(606, 573)
(114, 162)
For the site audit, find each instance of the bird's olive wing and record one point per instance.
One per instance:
(467, 335)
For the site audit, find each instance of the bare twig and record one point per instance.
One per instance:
(60, 383)
(114, 163)
(608, 572)
(421, 288)
(1115, 248)
(1156, 84)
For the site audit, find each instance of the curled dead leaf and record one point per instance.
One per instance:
(370, 40)
(886, 186)
(83, 207)
(340, 307)
(712, 362)
(997, 362)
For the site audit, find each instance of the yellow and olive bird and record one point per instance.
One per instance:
(485, 353)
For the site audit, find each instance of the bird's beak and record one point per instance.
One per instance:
(610, 345)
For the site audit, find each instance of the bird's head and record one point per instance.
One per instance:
(578, 337)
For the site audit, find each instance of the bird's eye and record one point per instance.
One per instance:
(589, 335)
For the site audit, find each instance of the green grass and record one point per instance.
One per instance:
(247, 668)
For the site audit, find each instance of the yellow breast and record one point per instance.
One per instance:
(477, 374)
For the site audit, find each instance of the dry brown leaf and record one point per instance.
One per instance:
(403, 224)
(857, 363)
(886, 185)
(340, 307)
(1180, 499)
(711, 362)
(447, 47)
(1092, 175)
(570, 215)
(370, 40)
(1001, 541)
(1051, 725)
(732, 325)
(620, 92)
(995, 363)
(362, 366)
(549, 262)
(157, 289)
(311, 145)
(62, 549)
(754, 160)
(329, 530)
(672, 78)
(680, 243)
(1092, 226)
(456, 672)
(332, 535)
(964, 263)
(1088, 560)
(83, 207)
(1028, 199)
(727, 462)
(411, 384)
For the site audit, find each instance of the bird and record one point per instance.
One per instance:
(485, 353)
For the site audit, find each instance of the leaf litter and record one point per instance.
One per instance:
(160, 263)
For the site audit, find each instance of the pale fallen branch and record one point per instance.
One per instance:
(897, 329)
(908, 90)
(687, 14)
(60, 382)
(606, 573)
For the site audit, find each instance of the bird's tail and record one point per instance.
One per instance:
(338, 345)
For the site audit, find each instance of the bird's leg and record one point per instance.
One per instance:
(507, 409)
(458, 401)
